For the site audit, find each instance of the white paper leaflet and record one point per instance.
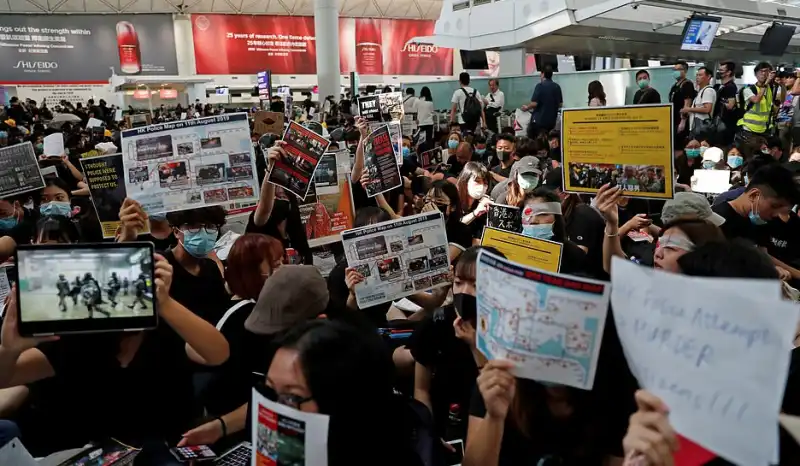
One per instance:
(282, 435)
(550, 324)
(398, 258)
(717, 355)
(191, 163)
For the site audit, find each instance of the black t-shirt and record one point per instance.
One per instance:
(585, 228)
(250, 357)
(724, 93)
(784, 239)
(92, 397)
(736, 226)
(435, 346)
(337, 288)
(646, 96)
(504, 172)
(573, 259)
(203, 294)
(685, 170)
(679, 92)
(25, 229)
(295, 230)
(457, 232)
(478, 224)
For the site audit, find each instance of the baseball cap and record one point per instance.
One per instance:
(553, 179)
(689, 206)
(712, 154)
(292, 294)
(527, 164)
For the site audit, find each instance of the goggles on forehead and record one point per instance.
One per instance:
(674, 242)
(543, 208)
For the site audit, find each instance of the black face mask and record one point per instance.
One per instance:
(466, 306)
(503, 155)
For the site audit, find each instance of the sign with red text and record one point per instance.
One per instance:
(168, 93)
(227, 44)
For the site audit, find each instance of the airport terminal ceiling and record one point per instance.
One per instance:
(408, 9)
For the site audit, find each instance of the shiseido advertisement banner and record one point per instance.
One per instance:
(58, 49)
(226, 44)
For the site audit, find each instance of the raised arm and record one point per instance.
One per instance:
(358, 163)
(267, 198)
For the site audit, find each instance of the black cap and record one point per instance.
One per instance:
(553, 179)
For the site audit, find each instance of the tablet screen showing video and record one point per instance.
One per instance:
(76, 288)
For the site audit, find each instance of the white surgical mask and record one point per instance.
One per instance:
(476, 190)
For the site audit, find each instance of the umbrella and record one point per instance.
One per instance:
(61, 118)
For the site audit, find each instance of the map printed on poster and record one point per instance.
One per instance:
(304, 149)
(398, 258)
(19, 170)
(550, 324)
(190, 164)
(380, 163)
(328, 208)
(283, 435)
(504, 217)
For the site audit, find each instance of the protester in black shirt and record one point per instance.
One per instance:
(17, 224)
(506, 157)
(681, 95)
(149, 371)
(646, 94)
(444, 197)
(726, 104)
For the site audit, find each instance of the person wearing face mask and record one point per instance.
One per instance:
(713, 159)
(771, 193)
(741, 176)
(464, 154)
(17, 224)
(198, 285)
(688, 161)
(443, 196)
(473, 188)
(554, 142)
(542, 219)
(523, 178)
(681, 95)
(479, 144)
(646, 94)
(443, 348)
(734, 160)
(504, 149)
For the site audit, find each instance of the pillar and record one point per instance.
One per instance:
(326, 25)
(512, 62)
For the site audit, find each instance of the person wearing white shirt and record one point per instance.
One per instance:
(459, 99)
(493, 104)
(703, 105)
(410, 102)
(424, 107)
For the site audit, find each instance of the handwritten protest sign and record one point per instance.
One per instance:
(718, 356)
(504, 217)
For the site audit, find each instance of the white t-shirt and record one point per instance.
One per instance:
(706, 96)
(410, 104)
(459, 98)
(499, 99)
(424, 112)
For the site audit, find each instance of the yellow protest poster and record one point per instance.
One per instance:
(630, 147)
(542, 254)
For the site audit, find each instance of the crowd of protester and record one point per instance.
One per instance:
(254, 320)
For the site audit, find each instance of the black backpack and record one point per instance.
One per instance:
(743, 106)
(471, 113)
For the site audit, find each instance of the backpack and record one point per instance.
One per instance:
(471, 112)
(743, 106)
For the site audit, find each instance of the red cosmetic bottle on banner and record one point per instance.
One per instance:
(369, 47)
(130, 55)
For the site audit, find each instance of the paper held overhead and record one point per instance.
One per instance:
(54, 145)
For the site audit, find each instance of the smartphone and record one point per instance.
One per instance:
(193, 453)
(454, 458)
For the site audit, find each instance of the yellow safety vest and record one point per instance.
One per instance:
(757, 119)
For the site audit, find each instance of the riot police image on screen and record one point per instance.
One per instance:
(91, 295)
(139, 289)
(64, 288)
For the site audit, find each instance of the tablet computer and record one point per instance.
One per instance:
(79, 288)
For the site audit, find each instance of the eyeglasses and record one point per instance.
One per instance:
(286, 399)
(210, 229)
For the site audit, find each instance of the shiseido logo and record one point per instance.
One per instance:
(42, 65)
(420, 48)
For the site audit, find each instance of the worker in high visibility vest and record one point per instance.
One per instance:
(758, 103)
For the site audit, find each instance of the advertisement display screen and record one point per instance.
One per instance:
(264, 79)
(238, 44)
(699, 33)
(63, 49)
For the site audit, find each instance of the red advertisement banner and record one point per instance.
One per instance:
(235, 44)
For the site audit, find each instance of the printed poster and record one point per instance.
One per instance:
(189, 164)
(431, 158)
(533, 252)
(504, 217)
(19, 170)
(103, 174)
(630, 147)
(369, 108)
(380, 163)
(304, 149)
(396, 136)
(268, 123)
(398, 258)
(285, 436)
(328, 208)
(550, 325)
